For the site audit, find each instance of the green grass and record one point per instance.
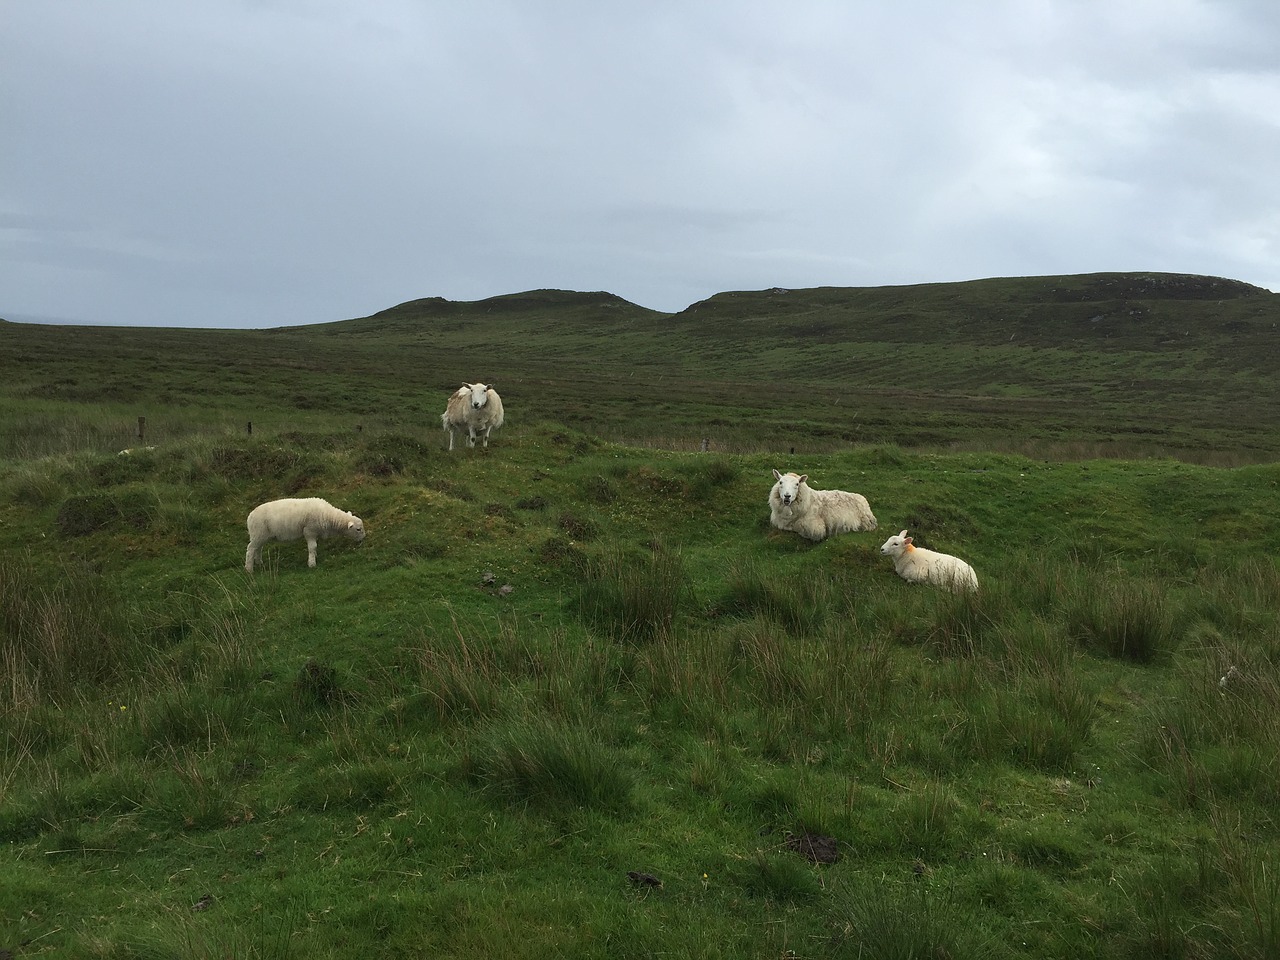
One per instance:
(1065, 367)
(563, 661)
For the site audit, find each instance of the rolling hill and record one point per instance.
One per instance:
(1122, 364)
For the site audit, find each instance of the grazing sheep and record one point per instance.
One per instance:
(918, 565)
(816, 514)
(293, 519)
(474, 406)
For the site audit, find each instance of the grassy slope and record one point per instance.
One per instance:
(1125, 364)
(389, 750)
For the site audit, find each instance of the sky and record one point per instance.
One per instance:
(260, 163)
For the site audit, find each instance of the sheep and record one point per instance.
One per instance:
(816, 514)
(918, 565)
(476, 407)
(295, 518)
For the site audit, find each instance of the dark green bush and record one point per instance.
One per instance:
(392, 454)
(123, 468)
(578, 527)
(83, 514)
(599, 490)
(317, 685)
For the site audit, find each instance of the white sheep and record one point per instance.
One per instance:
(816, 514)
(293, 519)
(474, 406)
(918, 565)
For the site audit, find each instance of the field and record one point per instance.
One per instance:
(574, 697)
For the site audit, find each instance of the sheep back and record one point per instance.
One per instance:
(294, 518)
(920, 565)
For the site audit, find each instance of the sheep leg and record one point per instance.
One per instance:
(450, 438)
(252, 554)
(471, 436)
(311, 549)
(486, 435)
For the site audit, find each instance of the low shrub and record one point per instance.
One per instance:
(83, 514)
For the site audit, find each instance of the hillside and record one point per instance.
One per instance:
(1142, 312)
(1097, 364)
(570, 698)
(576, 697)
(1165, 362)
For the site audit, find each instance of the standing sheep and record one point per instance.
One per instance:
(293, 519)
(816, 514)
(918, 565)
(474, 406)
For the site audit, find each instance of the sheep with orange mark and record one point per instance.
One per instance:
(918, 565)
(816, 514)
(473, 407)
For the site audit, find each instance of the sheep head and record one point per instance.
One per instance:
(789, 487)
(896, 545)
(355, 527)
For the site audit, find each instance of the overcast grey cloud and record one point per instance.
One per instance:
(269, 162)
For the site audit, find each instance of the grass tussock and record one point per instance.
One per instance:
(798, 602)
(459, 679)
(903, 920)
(1042, 722)
(634, 599)
(1132, 619)
(61, 631)
(550, 766)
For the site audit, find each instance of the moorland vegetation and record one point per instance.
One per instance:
(574, 696)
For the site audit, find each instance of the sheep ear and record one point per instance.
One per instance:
(903, 534)
(351, 524)
(907, 539)
(804, 478)
(777, 475)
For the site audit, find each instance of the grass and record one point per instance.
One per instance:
(564, 663)
(630, 706)
(1102, 365)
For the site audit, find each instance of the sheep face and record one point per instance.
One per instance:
(479, 394)
(789, 487)
(895, 545)
(355, 528)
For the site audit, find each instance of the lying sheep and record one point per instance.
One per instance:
(293, 519)
(918, 565)
(474, 406)
(816, 514)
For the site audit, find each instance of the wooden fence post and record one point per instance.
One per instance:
(142, 427)
(249, 428)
